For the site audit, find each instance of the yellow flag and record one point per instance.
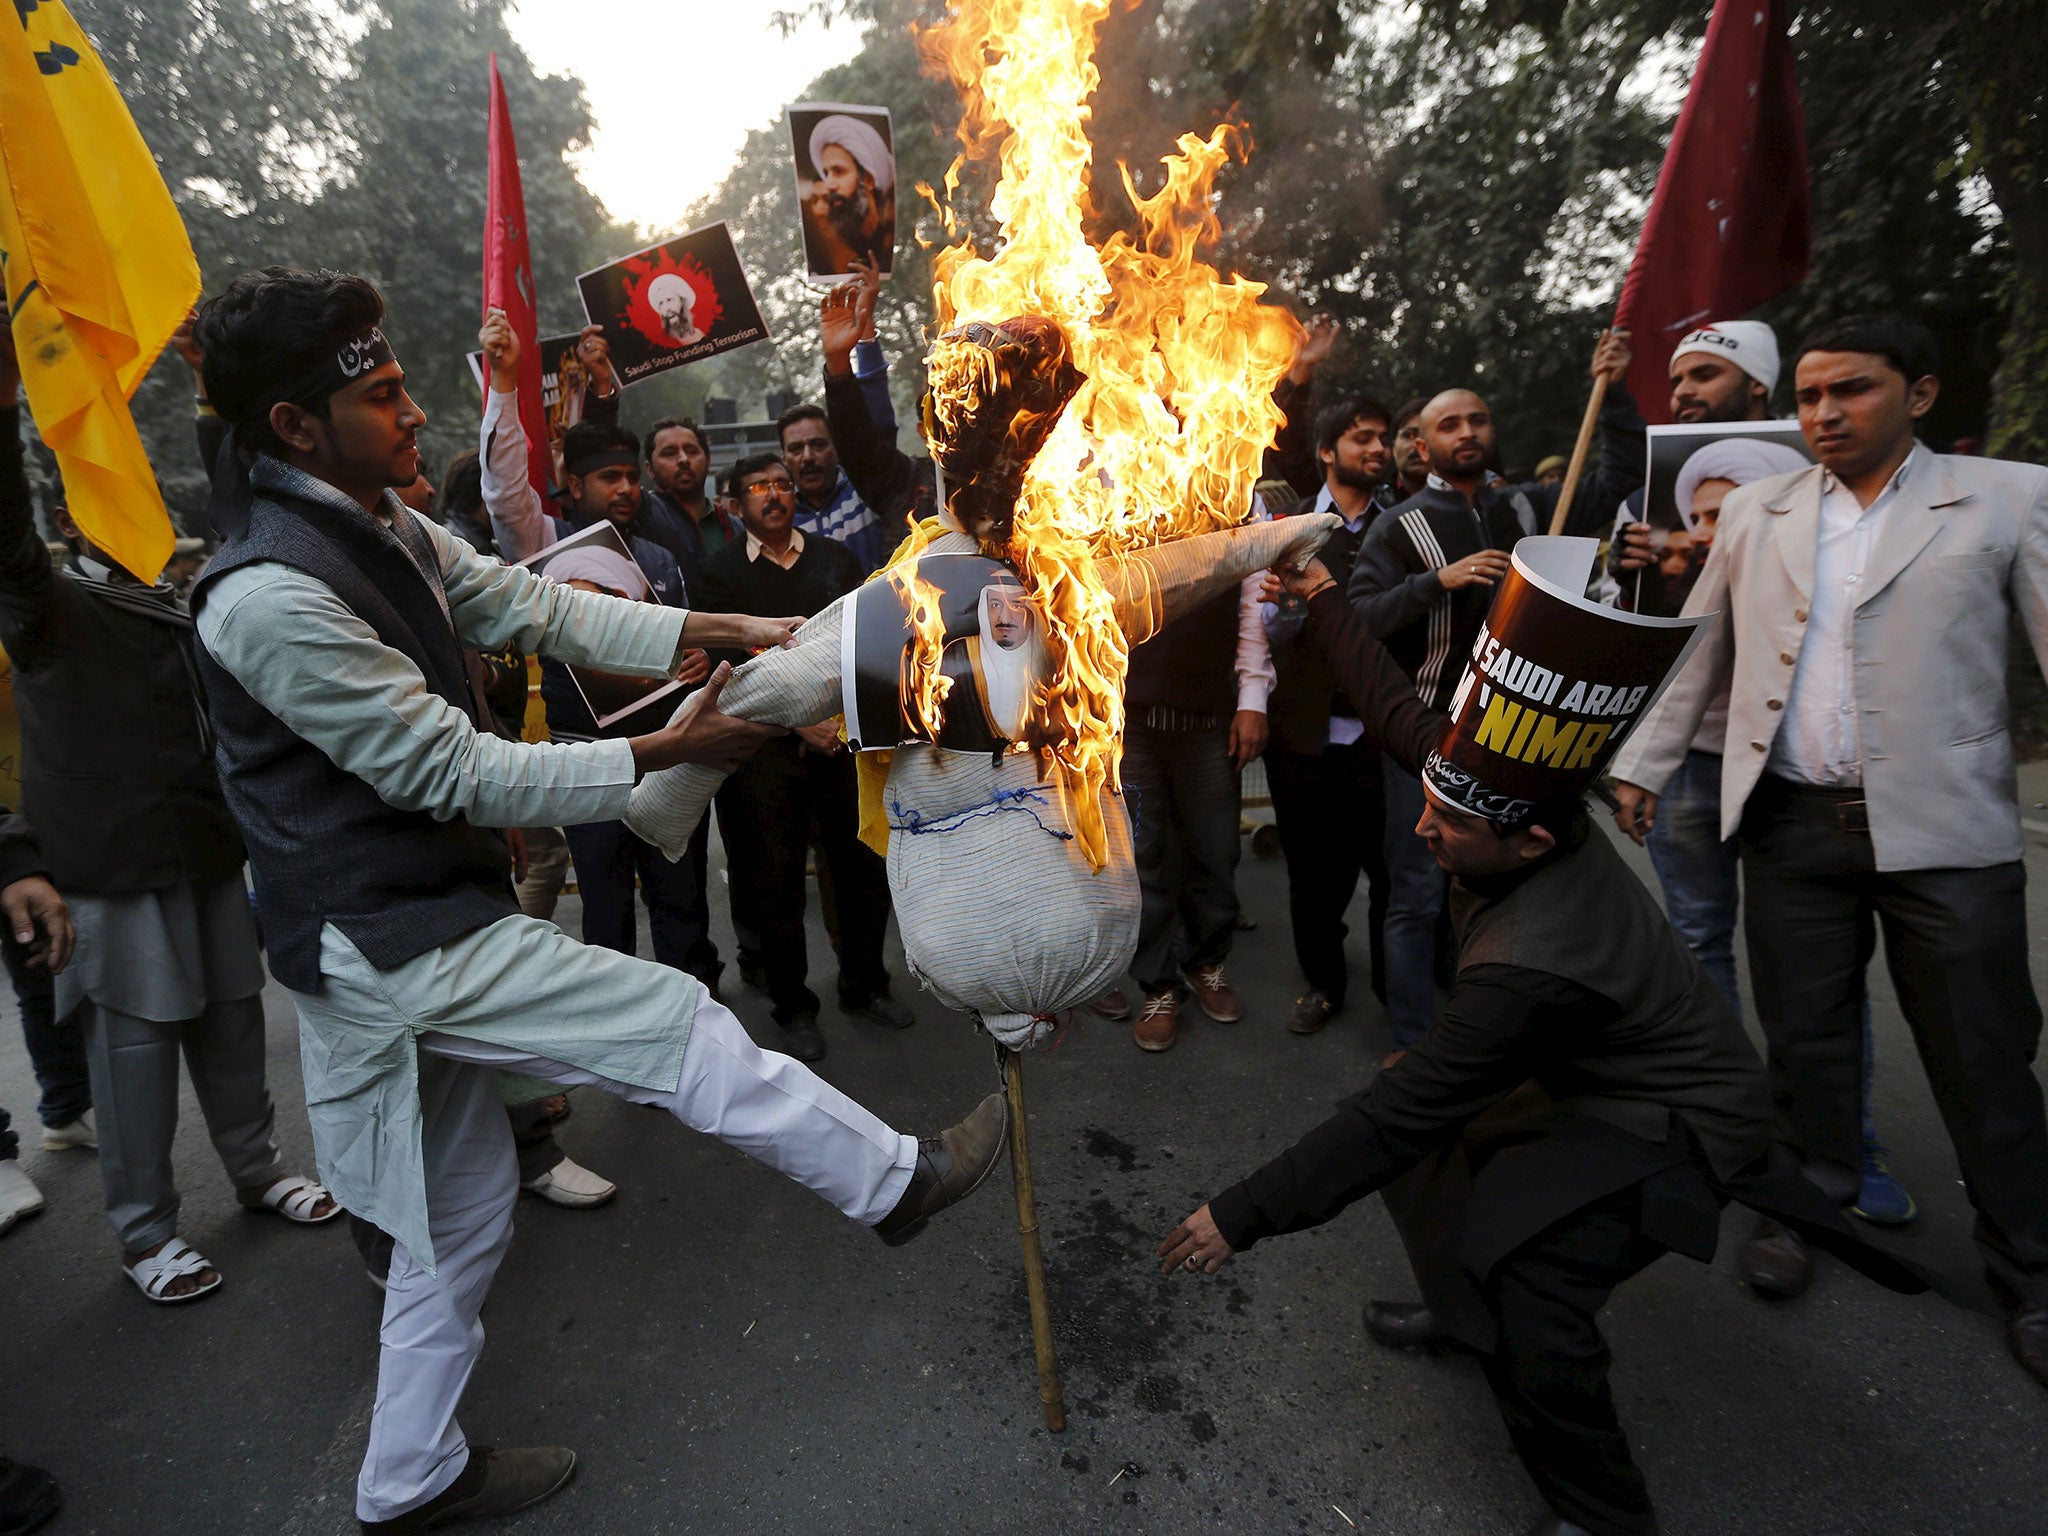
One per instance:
(98, 273)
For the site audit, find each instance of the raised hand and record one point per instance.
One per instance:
(501, 351)
(595, 354)
(840, 323)
(1322, 334)
(1611, 358)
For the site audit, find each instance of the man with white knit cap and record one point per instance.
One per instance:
(1725, 372)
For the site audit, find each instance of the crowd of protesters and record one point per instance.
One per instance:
(1838, 757)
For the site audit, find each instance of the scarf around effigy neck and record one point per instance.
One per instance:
(335, 368)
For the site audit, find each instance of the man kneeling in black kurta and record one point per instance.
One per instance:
(1587, 1102)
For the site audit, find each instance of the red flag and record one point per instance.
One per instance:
(508, 279)
(1731, 224)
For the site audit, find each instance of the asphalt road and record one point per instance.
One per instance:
(728, 1355)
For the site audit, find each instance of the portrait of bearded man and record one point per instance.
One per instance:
(848, 192)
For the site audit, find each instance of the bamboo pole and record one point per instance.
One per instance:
(1051, 1399)
(1578, 463)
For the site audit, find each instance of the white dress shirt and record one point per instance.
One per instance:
(1819, 743)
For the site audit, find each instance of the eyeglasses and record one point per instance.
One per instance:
(761, 490)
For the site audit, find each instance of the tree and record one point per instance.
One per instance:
(349, 134)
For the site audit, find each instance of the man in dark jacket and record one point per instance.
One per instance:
(118, 780)
(798, 790)
(1328, 793)
(1585, 1104)
(1422, 582)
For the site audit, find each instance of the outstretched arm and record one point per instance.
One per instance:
(1155, 586)
(795, 687)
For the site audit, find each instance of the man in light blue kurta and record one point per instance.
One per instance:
(332, 624)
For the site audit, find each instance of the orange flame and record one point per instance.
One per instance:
(926, 686)
(1165, 438)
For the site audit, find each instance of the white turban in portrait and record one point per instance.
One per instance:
(605, 568)
(1738, 460)
(859, 140)
(669, 285)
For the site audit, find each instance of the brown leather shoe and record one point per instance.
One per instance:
(1775, 1262)
(493, 1483)
(1158, 1022)
(950, 1167)
(1215, 993)
(1112, 1005)
(1312, 1010)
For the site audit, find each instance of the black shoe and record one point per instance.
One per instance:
(493, 1483)
(950, 1167)
(28, 1497)
(2027, 1333)
(882, 1009)
(800, 1038)
(1557, 1525)
(1405, 1325)
(1775, 1262)
(1311, 1012)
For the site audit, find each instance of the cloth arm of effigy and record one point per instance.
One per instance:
(1155, 586)
(798, 685)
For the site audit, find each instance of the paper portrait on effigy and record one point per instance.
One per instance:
(678, 302)
(992, 658)
(845, 159)
(1693, 466)
(597, 559)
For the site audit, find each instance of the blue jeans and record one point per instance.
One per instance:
(1415, 895)
(56, 1052)
(1697, 868)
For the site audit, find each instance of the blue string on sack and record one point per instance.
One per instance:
(1028, 798)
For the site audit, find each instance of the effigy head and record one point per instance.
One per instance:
(996, 392)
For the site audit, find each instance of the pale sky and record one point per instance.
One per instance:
(675, 86)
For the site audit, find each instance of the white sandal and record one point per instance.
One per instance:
(175, 1260)
(295, 1199)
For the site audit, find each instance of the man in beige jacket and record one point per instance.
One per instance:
(1864, 610)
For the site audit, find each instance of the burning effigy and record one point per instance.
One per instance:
(1097, 415)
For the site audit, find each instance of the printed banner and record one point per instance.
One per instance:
(673, 303)
(990, 643)
(1555, 682)
(846, 185)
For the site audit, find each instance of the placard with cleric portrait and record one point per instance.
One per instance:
(991, 662)
(845, 158)
(674, 303)
(598, 559)
(1693, 466)
(1553, 684)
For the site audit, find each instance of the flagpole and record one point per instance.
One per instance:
(1578, 463)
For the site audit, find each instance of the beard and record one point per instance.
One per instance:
(1354, 479)
(850, 216)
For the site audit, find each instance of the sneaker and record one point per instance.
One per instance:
(74, 1133)
(1215, 993)
(1112, 1005)
(19, 1196)
(801, 1039)
(1883, 1201)
(1158, 1021)
(571, 1185)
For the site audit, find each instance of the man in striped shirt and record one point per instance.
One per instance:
(1423, 580)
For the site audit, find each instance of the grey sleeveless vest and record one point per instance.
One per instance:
(323, 846)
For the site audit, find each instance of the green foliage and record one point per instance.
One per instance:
(348, 134)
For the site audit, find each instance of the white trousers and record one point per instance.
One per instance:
(767, 1105)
